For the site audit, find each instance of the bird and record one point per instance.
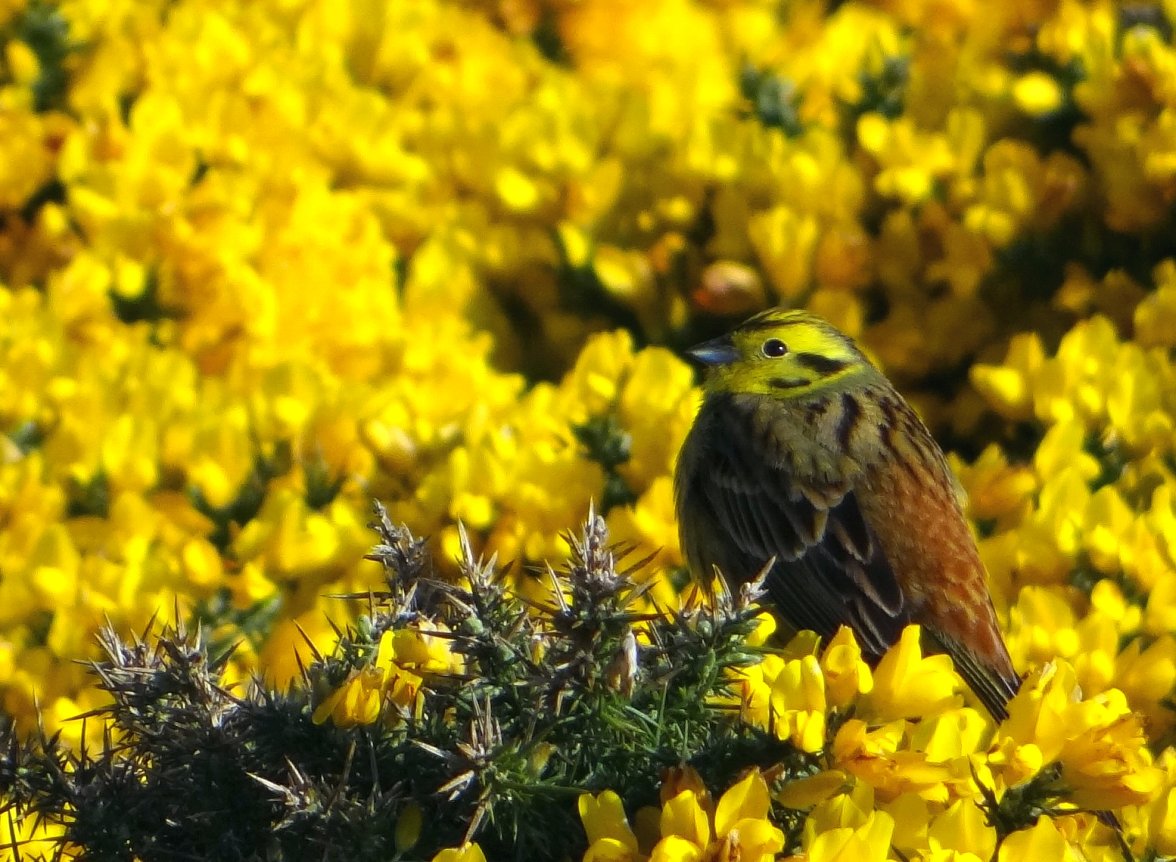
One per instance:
(805, 461)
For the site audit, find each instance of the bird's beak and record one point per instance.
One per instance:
(717, 351)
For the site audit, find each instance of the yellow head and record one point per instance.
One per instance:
(782, 354)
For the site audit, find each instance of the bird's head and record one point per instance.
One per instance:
(782, 354)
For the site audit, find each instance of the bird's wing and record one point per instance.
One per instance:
(993, 686)
(830, 569)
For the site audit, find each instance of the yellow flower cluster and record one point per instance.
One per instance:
(263, 261)
(245, 297)
(391, 684)
(914, 768)
(689, 825)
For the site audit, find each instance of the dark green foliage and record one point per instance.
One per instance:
(146, 306)
(90, 498)
(609, 445)
(1023, 804)
(250, 496)
(185, 768)
(885, 92)
(550, 701)
(42, 26)
(771, 99)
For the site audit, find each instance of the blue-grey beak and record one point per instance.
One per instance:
(717, 351)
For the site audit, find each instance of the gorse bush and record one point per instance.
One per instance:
(449, 712)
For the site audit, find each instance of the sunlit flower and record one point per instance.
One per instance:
(609, 835)
(845, 672)
(880, 758)
(870, 841)
(391, 685)
(809, 791)
(691, 827)
(786, 695)
(907, 683)
(465, 853)
(962, 828)
(995, 488)
(1042, 841)
(1037, 93)
(1098, 742)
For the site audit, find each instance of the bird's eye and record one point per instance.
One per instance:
(774, 348)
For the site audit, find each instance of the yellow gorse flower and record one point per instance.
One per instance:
(1099, 743)
(690, 827)
(390, 688)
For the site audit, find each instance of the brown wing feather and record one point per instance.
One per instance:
(738, 512)
(994, 689)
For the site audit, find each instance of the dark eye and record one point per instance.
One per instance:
(774, 348)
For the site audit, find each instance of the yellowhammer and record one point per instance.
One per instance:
(804, 453)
